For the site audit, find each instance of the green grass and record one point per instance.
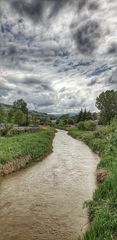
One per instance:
(37, 145)
(103, 207)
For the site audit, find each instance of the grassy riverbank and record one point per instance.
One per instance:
(34, 145)
(103, 207)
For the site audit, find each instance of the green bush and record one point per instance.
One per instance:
(6, 130)
(104, 132)
(81, 125)
(87, 125)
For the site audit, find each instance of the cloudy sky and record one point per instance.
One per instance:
(58, 55)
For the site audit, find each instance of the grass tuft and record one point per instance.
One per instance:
(37, 145)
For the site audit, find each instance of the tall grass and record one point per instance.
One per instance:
(37, 145)
(103, 207)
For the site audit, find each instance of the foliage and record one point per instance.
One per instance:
(22, 105)
(2, 115)
(34, 119)
(19, 117)
(86, 115)
(64, 121)
(70, 121)
(103, 207)
(87, 125)
(11, 116)
(44, 120)
(18, 114)
(37, 145)
(107, 103)
(18, 107)
(6, 130)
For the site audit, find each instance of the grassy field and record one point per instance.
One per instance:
(37, 145)
(103, 207)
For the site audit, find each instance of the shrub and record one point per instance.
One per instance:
(104, 132)
(81, 125)
(90, 125)
(6, 130)
(87, 125)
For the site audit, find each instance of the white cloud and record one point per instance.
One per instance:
(49, 52)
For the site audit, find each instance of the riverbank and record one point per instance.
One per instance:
(19, 150)
(103, 207)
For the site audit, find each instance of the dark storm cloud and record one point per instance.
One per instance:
(32, 82)
(32, 10)
(90, 4)
(5, 28)
(112, 80)
(113, 48)
(93, 82)
(40, 84)
(12, 50)
(57, 6)
(81, 4)
(46, 103)
(48, 62)
(22, 92)
(35, 9)
(93, 6)
(4, 89)
(87, 37)
(114, 77)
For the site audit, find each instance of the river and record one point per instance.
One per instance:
(45, 201)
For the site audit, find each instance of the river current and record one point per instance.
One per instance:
(45, 201)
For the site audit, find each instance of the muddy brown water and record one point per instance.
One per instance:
(45, 201)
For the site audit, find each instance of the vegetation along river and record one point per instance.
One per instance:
(45, 201)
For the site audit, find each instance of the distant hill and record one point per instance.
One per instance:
(53, 116)
(7, 107)
(71, 114)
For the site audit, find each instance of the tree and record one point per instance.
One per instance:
(20, 117)
(11, 116)
(84, 115)
(57, 121)
(2, 114)
(107, 104)
(34, 119)
(89, 116)
(70, 121)
(80, 116)
(22, 106)
(94, 116)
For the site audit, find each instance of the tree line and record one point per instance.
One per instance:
(106, 103)
(19, 114)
